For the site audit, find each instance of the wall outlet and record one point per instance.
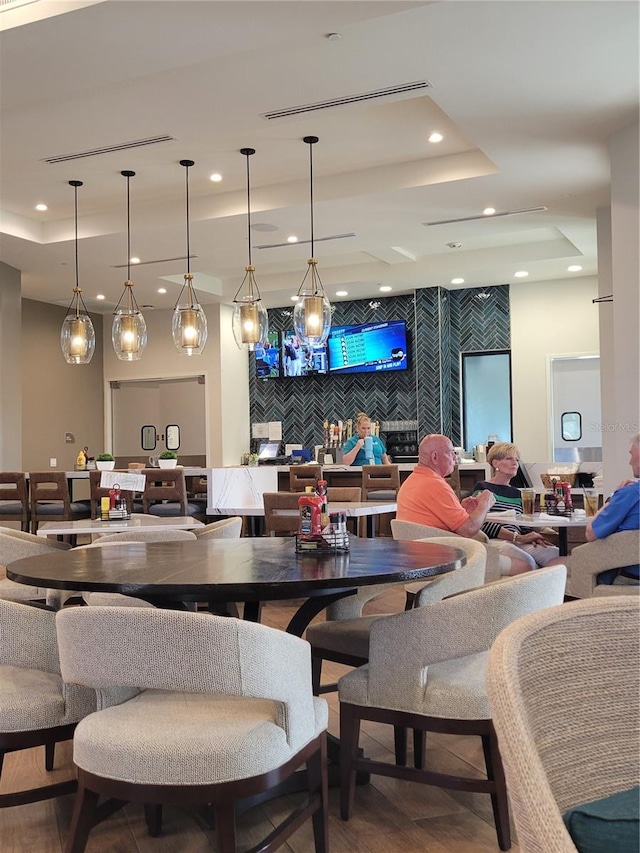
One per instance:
(53, 462)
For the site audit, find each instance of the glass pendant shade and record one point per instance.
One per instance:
(129, 330)
(250, 321)
(77, 335)
(312, 311)
(189, 322)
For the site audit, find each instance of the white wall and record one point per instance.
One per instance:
(222, 364)
(547, 318)
(10, 369)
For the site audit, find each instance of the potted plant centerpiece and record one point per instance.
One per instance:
(105, 462)
(168, 459)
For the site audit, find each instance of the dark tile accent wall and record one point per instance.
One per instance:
(440, 324)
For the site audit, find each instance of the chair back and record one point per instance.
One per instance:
(563, 686)
(301, 476)
(128, 536)
(14, 498)
(50, 497)
(275, 522)
(454, 480)
(164, 484)
(382, 479)
(97, 492)
(226, 528)
(344, 494)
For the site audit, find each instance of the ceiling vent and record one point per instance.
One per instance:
(484, 216)
(392, 91)
(156, 261)
(302, 242)
(109, 149)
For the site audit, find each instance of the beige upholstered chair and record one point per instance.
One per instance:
(36, 707)
(226, 528)
(563, 686)
(50, 499)
(14, 498)
(588, 561)
(426, 671)
(14, 545)
(248, 688)
(344, 637)
(408, 530)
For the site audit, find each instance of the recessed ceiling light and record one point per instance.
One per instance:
(457, 281)
(385, 288)
(135, 260)
(41, 207)
(488, 211)
(574, 268)
(294, 298)
(436, 137)
(216, 177)
(100, 296)
(342, 292)
(292, 239)
(520, 274)
(162, 290)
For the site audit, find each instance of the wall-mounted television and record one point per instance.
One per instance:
(370, 348)
(268, 358)
(300, 359)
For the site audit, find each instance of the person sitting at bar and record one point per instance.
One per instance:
(363, 448)
(426, 498)
(504, 459)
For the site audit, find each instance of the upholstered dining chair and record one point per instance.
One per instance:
(344, 636)
(591, 559)
(14, 498)
(37, 708)
(50, 499)
(346, 494)
(232, 719)
(380, 483)
(281, 513)
(301, 476)
(563, 687)
(426, 671)
(165, 494)
(226, 528)
(14, 545)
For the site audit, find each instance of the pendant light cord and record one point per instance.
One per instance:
(75, 192)
(128, 233)
(187, 201)
(249, 209)
(311, 192)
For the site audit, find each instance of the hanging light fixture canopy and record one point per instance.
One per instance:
(250, 320)
(189, 322)
(129, 330)
(77, 335)
(312, 312)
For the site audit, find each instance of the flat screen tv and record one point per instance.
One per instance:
(301, 360)
(370, 348)
(268, 358)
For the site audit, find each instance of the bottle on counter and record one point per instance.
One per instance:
(310, 509)
(81, 462)
(321, 491)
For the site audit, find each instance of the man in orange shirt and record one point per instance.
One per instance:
(426, 498)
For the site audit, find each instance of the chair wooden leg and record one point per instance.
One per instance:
(319, 785)
(349, 739)
(316, 674)
(49, 755)
(153, 817)
(226, 827)
(400, 744)
(419, 742)
(84, 817)
(409, 600)
(499, 801)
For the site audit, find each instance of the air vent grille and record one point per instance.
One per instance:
(483, 216)
(109, 149)
(391, 91)
(302, 242)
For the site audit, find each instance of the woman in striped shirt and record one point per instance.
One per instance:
(504, 458)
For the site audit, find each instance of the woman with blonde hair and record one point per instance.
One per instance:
(363, 448)
(504, 460)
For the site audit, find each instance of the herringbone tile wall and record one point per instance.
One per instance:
(440, 325)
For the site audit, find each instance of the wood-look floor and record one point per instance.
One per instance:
(390, 816)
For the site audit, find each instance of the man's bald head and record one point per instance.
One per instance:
(436, 452)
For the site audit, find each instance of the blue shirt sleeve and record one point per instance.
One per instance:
(621, 513)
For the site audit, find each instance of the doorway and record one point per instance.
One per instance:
(575, 408)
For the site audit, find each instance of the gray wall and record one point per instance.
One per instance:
(10, 370)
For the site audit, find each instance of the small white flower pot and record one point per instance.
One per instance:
(106, 466)
(167, 463)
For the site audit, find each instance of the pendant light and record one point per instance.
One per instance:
(189, 323)
(250, 320)
(312, 312)
(129, 330)
(77, 335)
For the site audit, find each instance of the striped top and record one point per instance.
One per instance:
(507, 497)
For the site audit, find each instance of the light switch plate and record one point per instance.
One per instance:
(53, 462)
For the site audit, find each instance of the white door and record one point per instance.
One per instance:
(575, 409)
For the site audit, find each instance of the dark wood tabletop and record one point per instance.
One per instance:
(235, 570)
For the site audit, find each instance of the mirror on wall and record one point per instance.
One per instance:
(148, 437)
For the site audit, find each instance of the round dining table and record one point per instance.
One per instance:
(249, 570)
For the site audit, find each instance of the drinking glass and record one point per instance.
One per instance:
(528, 501)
